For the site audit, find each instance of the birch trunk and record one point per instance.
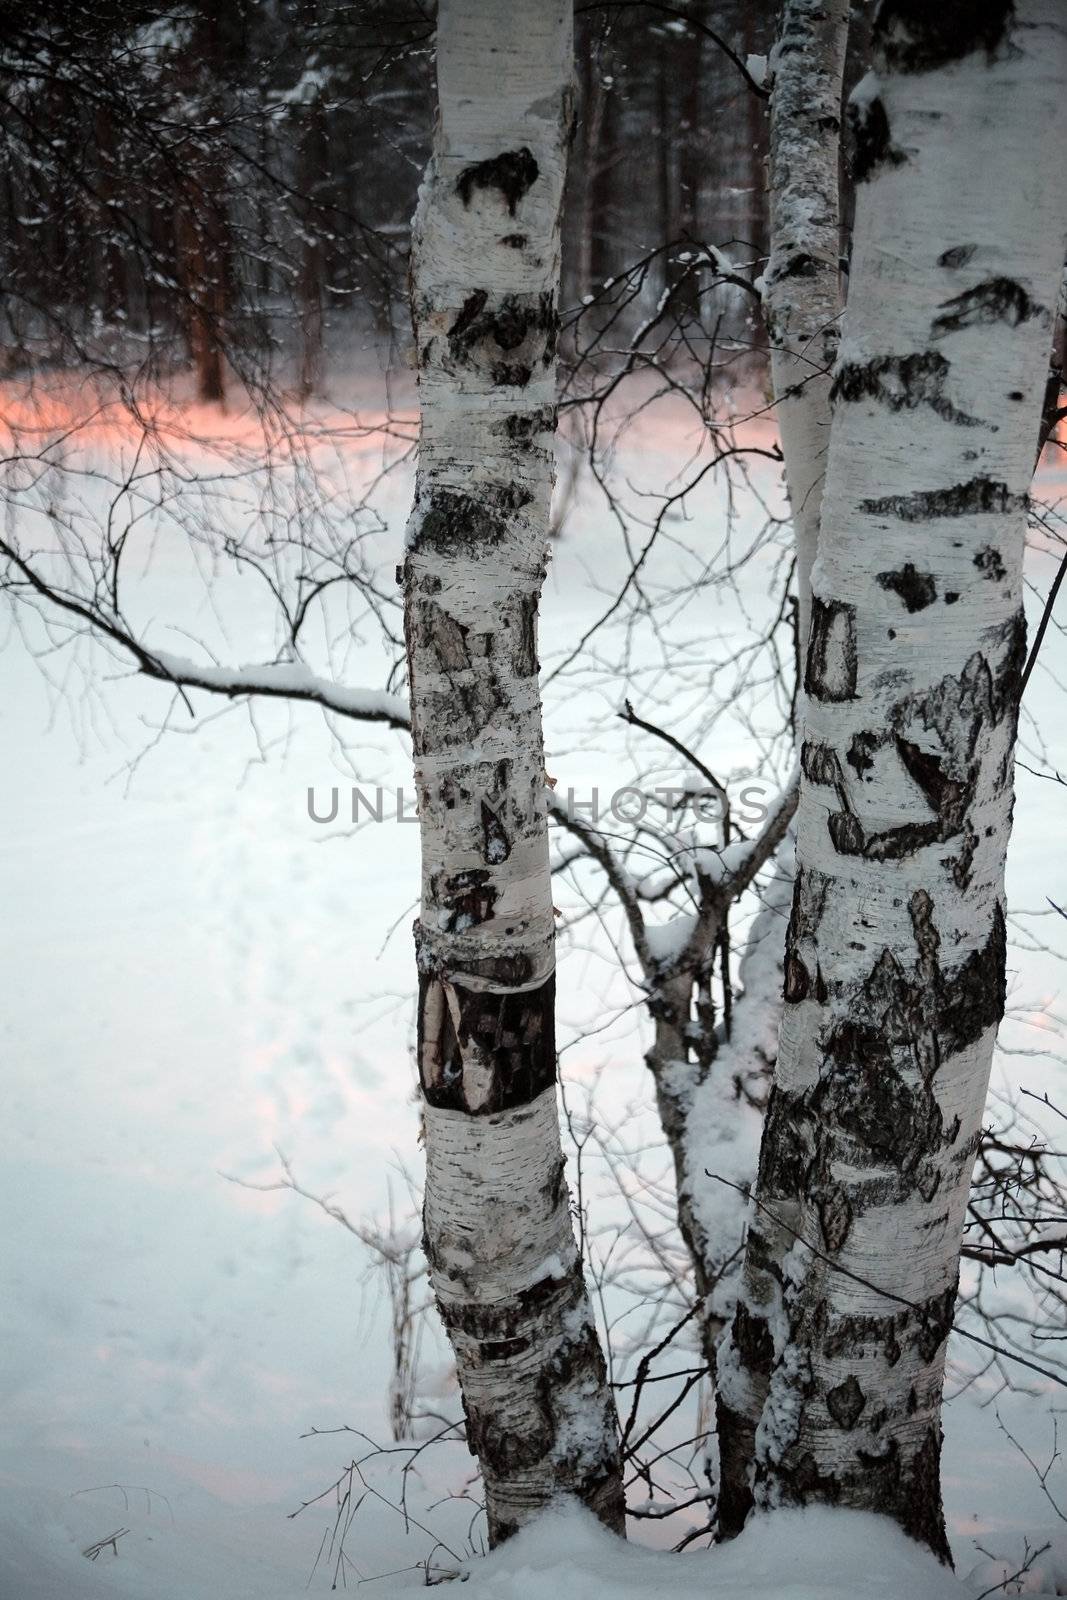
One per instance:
(895, 958)
(677, 1071)
(708, 1082)
(802, 304)
(802, 285)
(485, 274)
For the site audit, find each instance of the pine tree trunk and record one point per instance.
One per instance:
(485, 279)
(895, 958)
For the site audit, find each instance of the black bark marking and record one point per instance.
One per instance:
(935, 1323)
(511, 375)
(449, 638)
(514, 322)
(514, 241)
(797, 979)
(917, 589)
(753, 1340)
(945, 795)
(959, 865)
(958, 256)
(511, 1034)
(471, 695)
(456, 521)
(977, 496)
(995, 300)
(972, 998)
(869, 1090)
(872, 144)
(903, 383)
(806, 1483)
(861, 751)
(496, 1321)
(525, 425)
(503, 1349)
(918, 1502)
(512, 174)
(928, 1181)
(990, 565)
(783, 1157)
(819, 763)
(963, 1003)
(835, 1218)
(465, 899)
(892, 844)
(736, 1452)
(799, 265)
(830, 673)
(846, 1403)
(519, 322)
(809, 900)
(470, 309)
(506, 1451)
(1009, 676)
(525, 646)
(956, 709)
(496, 846)
(913, 36)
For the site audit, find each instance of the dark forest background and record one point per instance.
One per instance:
(227, 188)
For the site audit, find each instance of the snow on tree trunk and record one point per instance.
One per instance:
(802, 284)
(677, 1072)
(708, 1089)
(895, 959)
(485, 272)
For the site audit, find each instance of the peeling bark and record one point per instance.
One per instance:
(832, 1373)
(498, 1235)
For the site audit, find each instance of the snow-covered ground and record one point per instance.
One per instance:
(196, 973)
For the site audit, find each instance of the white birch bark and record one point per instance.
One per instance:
(485, 273)
(896, 949)
(802, 285)
(802, 304)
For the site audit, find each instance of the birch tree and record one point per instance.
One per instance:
(504, 1264)
(802, 305)
(802, 283)
(895, 956)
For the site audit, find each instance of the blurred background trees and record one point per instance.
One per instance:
(229, 189)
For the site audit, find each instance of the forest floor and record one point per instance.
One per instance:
(199, 975)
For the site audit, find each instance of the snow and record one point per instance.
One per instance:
(291, 678)
(717, 865)
(194, 973)
(756, 67)
(567, 1555)
(790, 1555)
(667, 940)
(866, 92)
(1036, 1564)
(723, 1130)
